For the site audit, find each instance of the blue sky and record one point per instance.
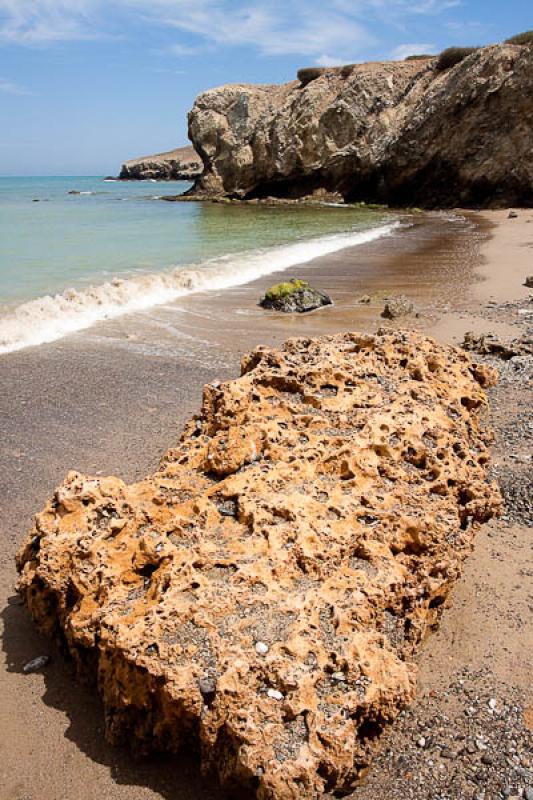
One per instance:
(86, 84)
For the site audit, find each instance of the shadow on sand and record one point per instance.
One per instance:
(172, 777)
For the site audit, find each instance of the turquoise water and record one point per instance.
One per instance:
(158, 250)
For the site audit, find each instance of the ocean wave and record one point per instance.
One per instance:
(55, 316)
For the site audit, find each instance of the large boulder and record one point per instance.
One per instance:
(262, 596)
(395, 132)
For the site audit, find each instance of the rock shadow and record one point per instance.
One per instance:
(173, 777)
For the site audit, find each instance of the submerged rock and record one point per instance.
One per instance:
(294, 295)
(356, 468)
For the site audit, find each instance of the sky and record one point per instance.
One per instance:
(87, 84)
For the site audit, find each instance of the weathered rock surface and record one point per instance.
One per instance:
(182, 164)
(294, 296)
(396, 307)
(397, 132)
(263, 593)
(488, 344)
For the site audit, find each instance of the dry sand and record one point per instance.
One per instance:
(113, 399)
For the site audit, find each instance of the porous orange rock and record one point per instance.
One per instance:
(263, 594)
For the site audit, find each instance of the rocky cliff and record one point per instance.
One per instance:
(397, 132)
(182, 164)
(262, 595)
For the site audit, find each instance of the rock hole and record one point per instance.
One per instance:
(147, 571)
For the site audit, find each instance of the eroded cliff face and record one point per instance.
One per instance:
(262, 595)
(396, 132)
(182, 164)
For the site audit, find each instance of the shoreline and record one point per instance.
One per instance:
(112, 400)
(50, 318)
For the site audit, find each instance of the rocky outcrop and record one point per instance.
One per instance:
(396, 132)
(294, 295)
(182, 164)
(488, 344)
(264, 592)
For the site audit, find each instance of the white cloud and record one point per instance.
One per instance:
(404, 7)
(9, 87)
(273, 27)
(404, 50)
(329, 61)
(42, 21)
(337, 30)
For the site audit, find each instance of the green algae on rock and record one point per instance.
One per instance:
(294, 295)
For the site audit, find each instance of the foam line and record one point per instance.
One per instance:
(53, 317)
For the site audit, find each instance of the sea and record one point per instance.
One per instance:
(78, 250)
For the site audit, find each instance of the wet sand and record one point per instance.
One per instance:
(112, 399)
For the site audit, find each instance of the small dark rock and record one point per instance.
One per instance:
(513, 215)
(35, 664)
(529, 282)
(207, 687)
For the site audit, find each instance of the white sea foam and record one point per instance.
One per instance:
(52, 317)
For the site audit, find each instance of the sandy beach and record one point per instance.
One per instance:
(112, 399)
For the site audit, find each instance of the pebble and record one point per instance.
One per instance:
(528, 792)
(207, 686)
(275, 694)
(35, 664)
(261, 648)
(492, 703)
(421, 742)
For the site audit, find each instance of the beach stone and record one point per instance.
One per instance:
(275, 694)
(396, 307)
(528, 793)
(35, 664)
(207, 686)
(529, 282)
(512, 215)
(352, 521)
(489, 344)
(294, 295)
